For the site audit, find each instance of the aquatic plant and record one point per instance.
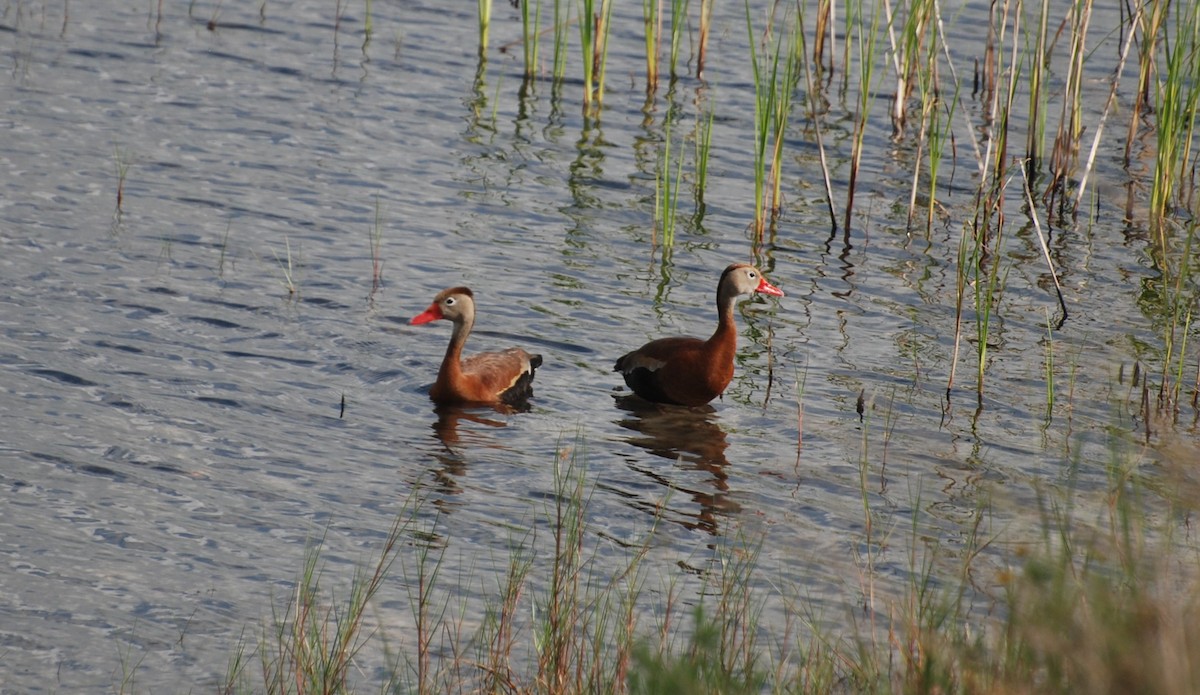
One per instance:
(679, 11)
(1175, 100)
(121, 161)
(775, 70)
(593, 43)
(1064, 156)
(287, 268)
(702, 30)
(865, 38)
(531, 24)
(666, 189)
(1080, 605)
(703, 146)
(485, 26)
(376, 239)
(562, 18)
(652, 20)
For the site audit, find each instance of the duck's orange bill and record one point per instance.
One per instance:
(763, 286)
(433, 313)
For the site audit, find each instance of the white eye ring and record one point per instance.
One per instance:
(449, 301)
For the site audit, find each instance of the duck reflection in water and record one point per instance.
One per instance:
(451, 465)
(692, 436)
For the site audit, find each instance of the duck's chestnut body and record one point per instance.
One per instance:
(689, 371)
(485, 377)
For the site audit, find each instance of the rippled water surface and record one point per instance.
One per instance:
(196, 386)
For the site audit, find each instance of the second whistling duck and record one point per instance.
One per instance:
(485, 377)
(689, 371)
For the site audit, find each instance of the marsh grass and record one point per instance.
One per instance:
(484, 14)
(652, 19)
(776, 71)
(1101, 601)
(866, 36)
(668, 179)
(1175, 101)
(1178, 297)
(562, 20)
(703, 146)
(1065, 154)
(531, 31)
(593, 43)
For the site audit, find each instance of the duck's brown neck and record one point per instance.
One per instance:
(452, 362)
(726, 334)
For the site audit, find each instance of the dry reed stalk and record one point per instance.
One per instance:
(1065, 154)
(822, 30)
(705, 25)
(814, 114)
(1147, 48)
(1112, 97)
(1037, 225)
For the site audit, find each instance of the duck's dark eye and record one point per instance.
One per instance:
(449, 301)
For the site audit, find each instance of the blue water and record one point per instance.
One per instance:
(198, 384)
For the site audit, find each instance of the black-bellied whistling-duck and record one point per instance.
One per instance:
(689, 371)
(485, 377)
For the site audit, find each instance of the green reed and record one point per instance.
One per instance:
(1148, 25)
(934, 131)
(666, 189)
(531, 28)
(593, 44)
(907, 57)
(1175, 101)
(562, 20)
(776, 71)
(703, 145)
(1049, 367)
(652, 21)
(1035, 133)
(865, 40)
(485, 25)
(1178, 297)
(679, 12)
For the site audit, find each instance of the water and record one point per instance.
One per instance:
(180, 425)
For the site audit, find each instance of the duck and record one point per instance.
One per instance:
(504, 377)
(688, 371)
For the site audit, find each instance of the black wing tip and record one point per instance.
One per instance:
(521, 391)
